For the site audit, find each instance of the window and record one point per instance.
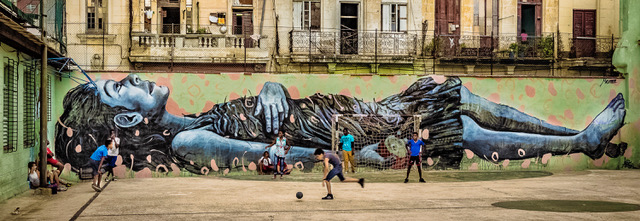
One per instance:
(30, 70)
(10, 124)
(96, 16)
(394, 17)
(306, 15)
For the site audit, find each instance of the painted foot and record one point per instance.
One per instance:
(604, 127)
(615, 150)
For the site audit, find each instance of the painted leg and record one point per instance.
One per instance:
(504, 118)
(498, 145)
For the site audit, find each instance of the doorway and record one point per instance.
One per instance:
(530, 18)
(171, 20)
(448, 25)
(243, 25)
(349, 28)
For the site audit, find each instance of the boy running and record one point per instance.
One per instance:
(329, 158)
(415, 150)
(282, 148)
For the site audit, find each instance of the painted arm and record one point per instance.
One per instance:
(272, 100)
(201, 146)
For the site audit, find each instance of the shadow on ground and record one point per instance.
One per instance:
(398, 176)
(568, 206)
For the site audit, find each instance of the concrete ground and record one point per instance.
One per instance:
(208, 198)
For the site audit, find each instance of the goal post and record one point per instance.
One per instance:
(379, 140)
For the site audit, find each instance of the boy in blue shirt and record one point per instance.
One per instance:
(415, 150)
(96, 160)
(347, 151)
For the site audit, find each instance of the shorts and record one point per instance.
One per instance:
(94, 165)
(336, 171)
(52, 161)
(112, 161)
(415, 160)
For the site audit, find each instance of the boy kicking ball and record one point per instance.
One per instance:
(329, 158)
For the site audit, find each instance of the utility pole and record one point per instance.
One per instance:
(43, 98)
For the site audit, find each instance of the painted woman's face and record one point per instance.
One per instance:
(134, 94)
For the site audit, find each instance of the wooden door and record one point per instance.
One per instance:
(247, 29)
(584, 32)
(448, 25)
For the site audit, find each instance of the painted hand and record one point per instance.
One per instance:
(273, 100)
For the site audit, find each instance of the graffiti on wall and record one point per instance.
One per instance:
(154, 137)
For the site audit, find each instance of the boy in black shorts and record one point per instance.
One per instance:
(415, 149)
(329, 158)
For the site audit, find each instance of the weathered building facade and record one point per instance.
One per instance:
(479, 37)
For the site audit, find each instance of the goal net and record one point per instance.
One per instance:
(379, 140)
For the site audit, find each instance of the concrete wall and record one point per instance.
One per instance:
(203, 95)
(13, 166)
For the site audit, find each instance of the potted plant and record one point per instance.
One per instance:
(514, 49)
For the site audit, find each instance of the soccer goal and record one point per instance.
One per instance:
(379, 140)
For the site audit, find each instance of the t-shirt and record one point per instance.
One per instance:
(265, 161)
(99, 153)
(33, 178)
(415, 147)
(280, 144)
(346, 141)
(333, 160)
(49, 153)
(115, 150)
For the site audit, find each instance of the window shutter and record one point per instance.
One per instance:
(386, 17)
(315, 15)
(297, 15)
(403, 17)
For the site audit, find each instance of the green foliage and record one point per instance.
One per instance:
(545, 47)
(514, 47)
(432, 47)
(201, 31)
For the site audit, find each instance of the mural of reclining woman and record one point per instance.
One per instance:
(456, 120)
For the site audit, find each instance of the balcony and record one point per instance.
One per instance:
(197, 48)
(353, 47)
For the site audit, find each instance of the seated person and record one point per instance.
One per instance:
(34, 177)
(53, 162)
(265, 166)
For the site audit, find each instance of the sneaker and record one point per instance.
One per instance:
(361, 182)
(328, 197)
(62, 188)
(96, 188)
(406, 180)
(114, 179)
(422, 180)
